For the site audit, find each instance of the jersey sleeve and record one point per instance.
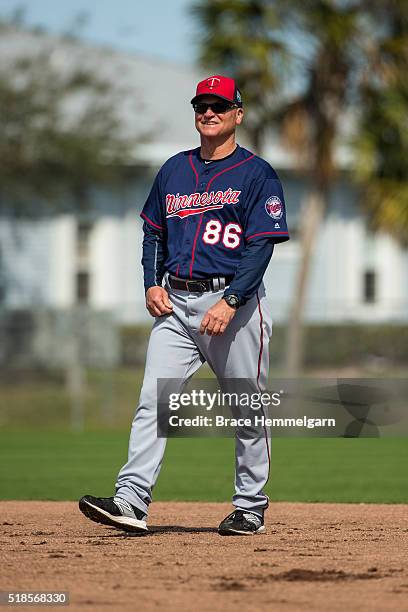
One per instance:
(265, 214)
(152, 212)
(153, 256)
(251, 269)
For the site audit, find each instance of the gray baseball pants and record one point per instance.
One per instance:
(176, 351)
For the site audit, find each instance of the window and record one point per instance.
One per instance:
(370, 289)
(82, 276)
(2, 280)
(83, 238)
(82, 287)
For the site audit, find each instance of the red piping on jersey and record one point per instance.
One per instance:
(207, 188)
(142, 214)
(269, 234)
(230, 168)
(194, 246)
(259, 374)
(190, 159)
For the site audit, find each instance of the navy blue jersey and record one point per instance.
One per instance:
(206, 213)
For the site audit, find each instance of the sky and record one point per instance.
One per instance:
(156, 28)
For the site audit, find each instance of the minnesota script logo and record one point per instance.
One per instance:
(197, 203)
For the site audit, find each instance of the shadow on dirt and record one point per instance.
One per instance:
(229, 583)
(113, 532)
(156, 529)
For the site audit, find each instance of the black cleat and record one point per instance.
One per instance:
(241, 522)
(113, 511)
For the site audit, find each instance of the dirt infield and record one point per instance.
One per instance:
(313, 557)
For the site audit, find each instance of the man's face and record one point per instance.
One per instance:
(213, 125)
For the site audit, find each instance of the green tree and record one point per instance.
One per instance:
(382, 136)
(59, 128)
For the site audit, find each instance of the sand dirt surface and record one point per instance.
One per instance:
(326, 557)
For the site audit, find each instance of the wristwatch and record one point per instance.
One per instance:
(232, 300)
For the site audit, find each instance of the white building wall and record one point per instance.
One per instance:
(133, 302)
(25, 261)
(352, 232)
(116, 271)
(280, 278)
(392, 279)
(105, 268)
(116, 252)
(319, 300)
(335, 289)
(61, 279)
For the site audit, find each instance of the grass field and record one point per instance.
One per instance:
(59, 465)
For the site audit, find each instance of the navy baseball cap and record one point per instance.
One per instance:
(221, 87)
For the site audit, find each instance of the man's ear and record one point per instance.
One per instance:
(239, 116)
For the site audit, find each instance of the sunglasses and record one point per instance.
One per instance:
(217, 107)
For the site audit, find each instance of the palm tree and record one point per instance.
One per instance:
(241, 37)
(311, 127)
(238, 33)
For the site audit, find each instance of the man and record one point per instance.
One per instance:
(211, 222)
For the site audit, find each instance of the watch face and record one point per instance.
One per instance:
(232, 300)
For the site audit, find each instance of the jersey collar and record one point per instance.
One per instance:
(214, 162)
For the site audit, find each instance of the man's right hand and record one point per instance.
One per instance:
(158, 302)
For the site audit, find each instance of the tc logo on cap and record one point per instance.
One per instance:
(213, 82)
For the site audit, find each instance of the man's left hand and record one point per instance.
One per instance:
(217, 318)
